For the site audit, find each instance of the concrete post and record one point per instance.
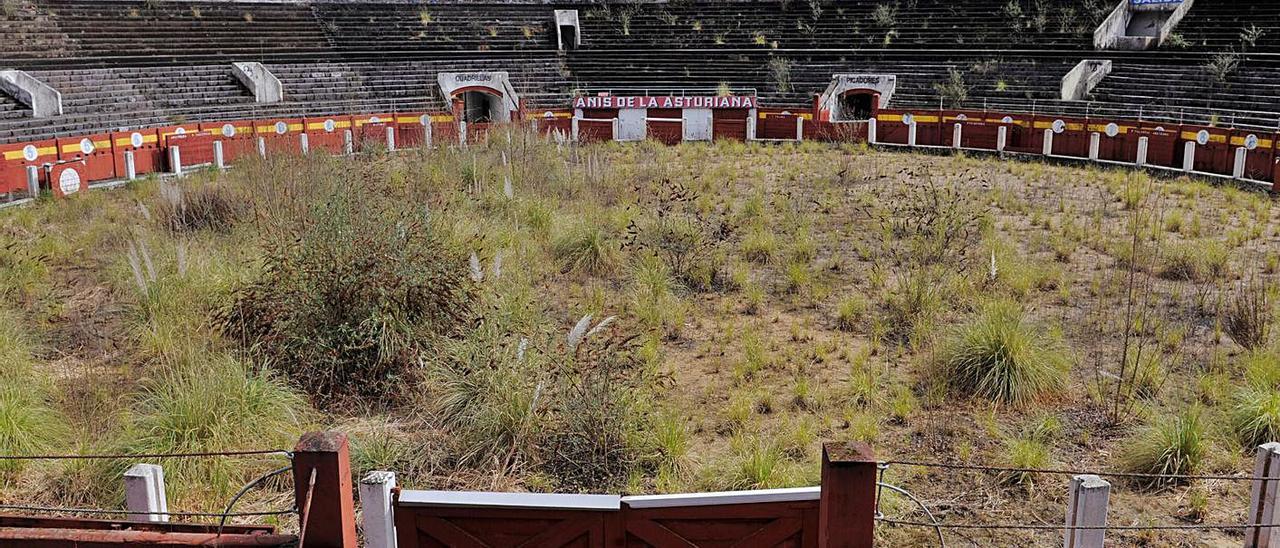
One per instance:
(1095, 145)
(1263, 499)
(911, 133)
(799, 128)
(752, 117)
(617, 128)
(322, 490)
(573, 129)
(1002, 138)
(1048, 142)
(1143, 143)
(175, 160)
(1189, 156)
(1087, 499)
(376, 512)
(462, 133)
(262, 147)
(33, 181)
(304, 143)
(847, 507)
(871, 131)
(1237, 170)
(391, 139)
(219, 159)
(348, 144)
(130, 166)
(426, 134)
(144, 492)
(956, 134)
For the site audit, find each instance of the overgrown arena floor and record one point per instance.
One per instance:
(765, 298)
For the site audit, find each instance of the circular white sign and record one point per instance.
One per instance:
(1112, 129)
(86, 146)
(180, 131)
(136, 140)
(1007, 120)
(1160, 129)
(375, 120)
(281, 128)
(228, 130)
(1203, 137)
(1251, 142)
(548, 114)
(907, 119)
(30, 153)
(961, 117)
(425, 119)
(1059, 126)
(329, 125)
(69, 181)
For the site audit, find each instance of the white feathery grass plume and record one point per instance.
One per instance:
(146, 213)
(181, 251)
(520, 349)
(477, 273)
(136, 266)
(507, 188)
(496, 268)
(146, 259)
(578, 332)
(600, 326)
(505, 162)
(992, 272)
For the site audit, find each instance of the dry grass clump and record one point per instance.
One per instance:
(1001, 357)
(1250, 313)
(588, 248)
(206, 206)
(1198, 261)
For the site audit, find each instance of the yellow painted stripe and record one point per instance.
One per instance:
(407, 120)
(1262, 143)
(441, 117)
(41, 151)
(74, 148)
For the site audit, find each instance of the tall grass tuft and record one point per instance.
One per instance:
(1255, 416)
(1001, 357)
(29, 422)
(588, 248)
(221, 405)
(1171, 445)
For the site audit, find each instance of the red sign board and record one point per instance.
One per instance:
(613, 101)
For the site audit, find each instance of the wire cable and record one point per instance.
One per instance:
(246, 452)
(34, 508)
(1037, 527)
(1130, 475)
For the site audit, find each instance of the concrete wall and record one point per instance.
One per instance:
(1139, 27)
(632, 125)
(265, 86)
(1086, 75)
(43, 100)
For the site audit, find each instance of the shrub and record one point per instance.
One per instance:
(1255, 416)
(1249, 314)
(347, 300)
(191, 208)
(1171, 445)
(586, 248)
(689, 240)
(1000, 357)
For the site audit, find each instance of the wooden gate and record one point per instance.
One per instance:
(782, 518)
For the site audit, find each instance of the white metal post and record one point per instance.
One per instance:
(1263, 498)
(799, 128)
(1002, 138)
(1143, 143)
(871, 131)
(262, 147)
(219, 161)
(175, 160)
(376, 509)
(1242, 155)
(1048, 142)
(573, 129)
(911, 133)
(956, 133)
(1087, 500)
(348, 144)
(426, 133)
(144, 492)
(33, 181)
(1095, 145)
(391, 139)
(462, 133)
(752, 117)
(304, 143)
(130, 166)
(1189, 156)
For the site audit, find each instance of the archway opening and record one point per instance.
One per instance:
(856, 106)
(479, 107)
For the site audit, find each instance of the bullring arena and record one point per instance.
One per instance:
(646, 274)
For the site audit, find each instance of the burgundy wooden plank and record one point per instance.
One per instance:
(566, 531)
(656, 535)
(772, 534)
(447, 533)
